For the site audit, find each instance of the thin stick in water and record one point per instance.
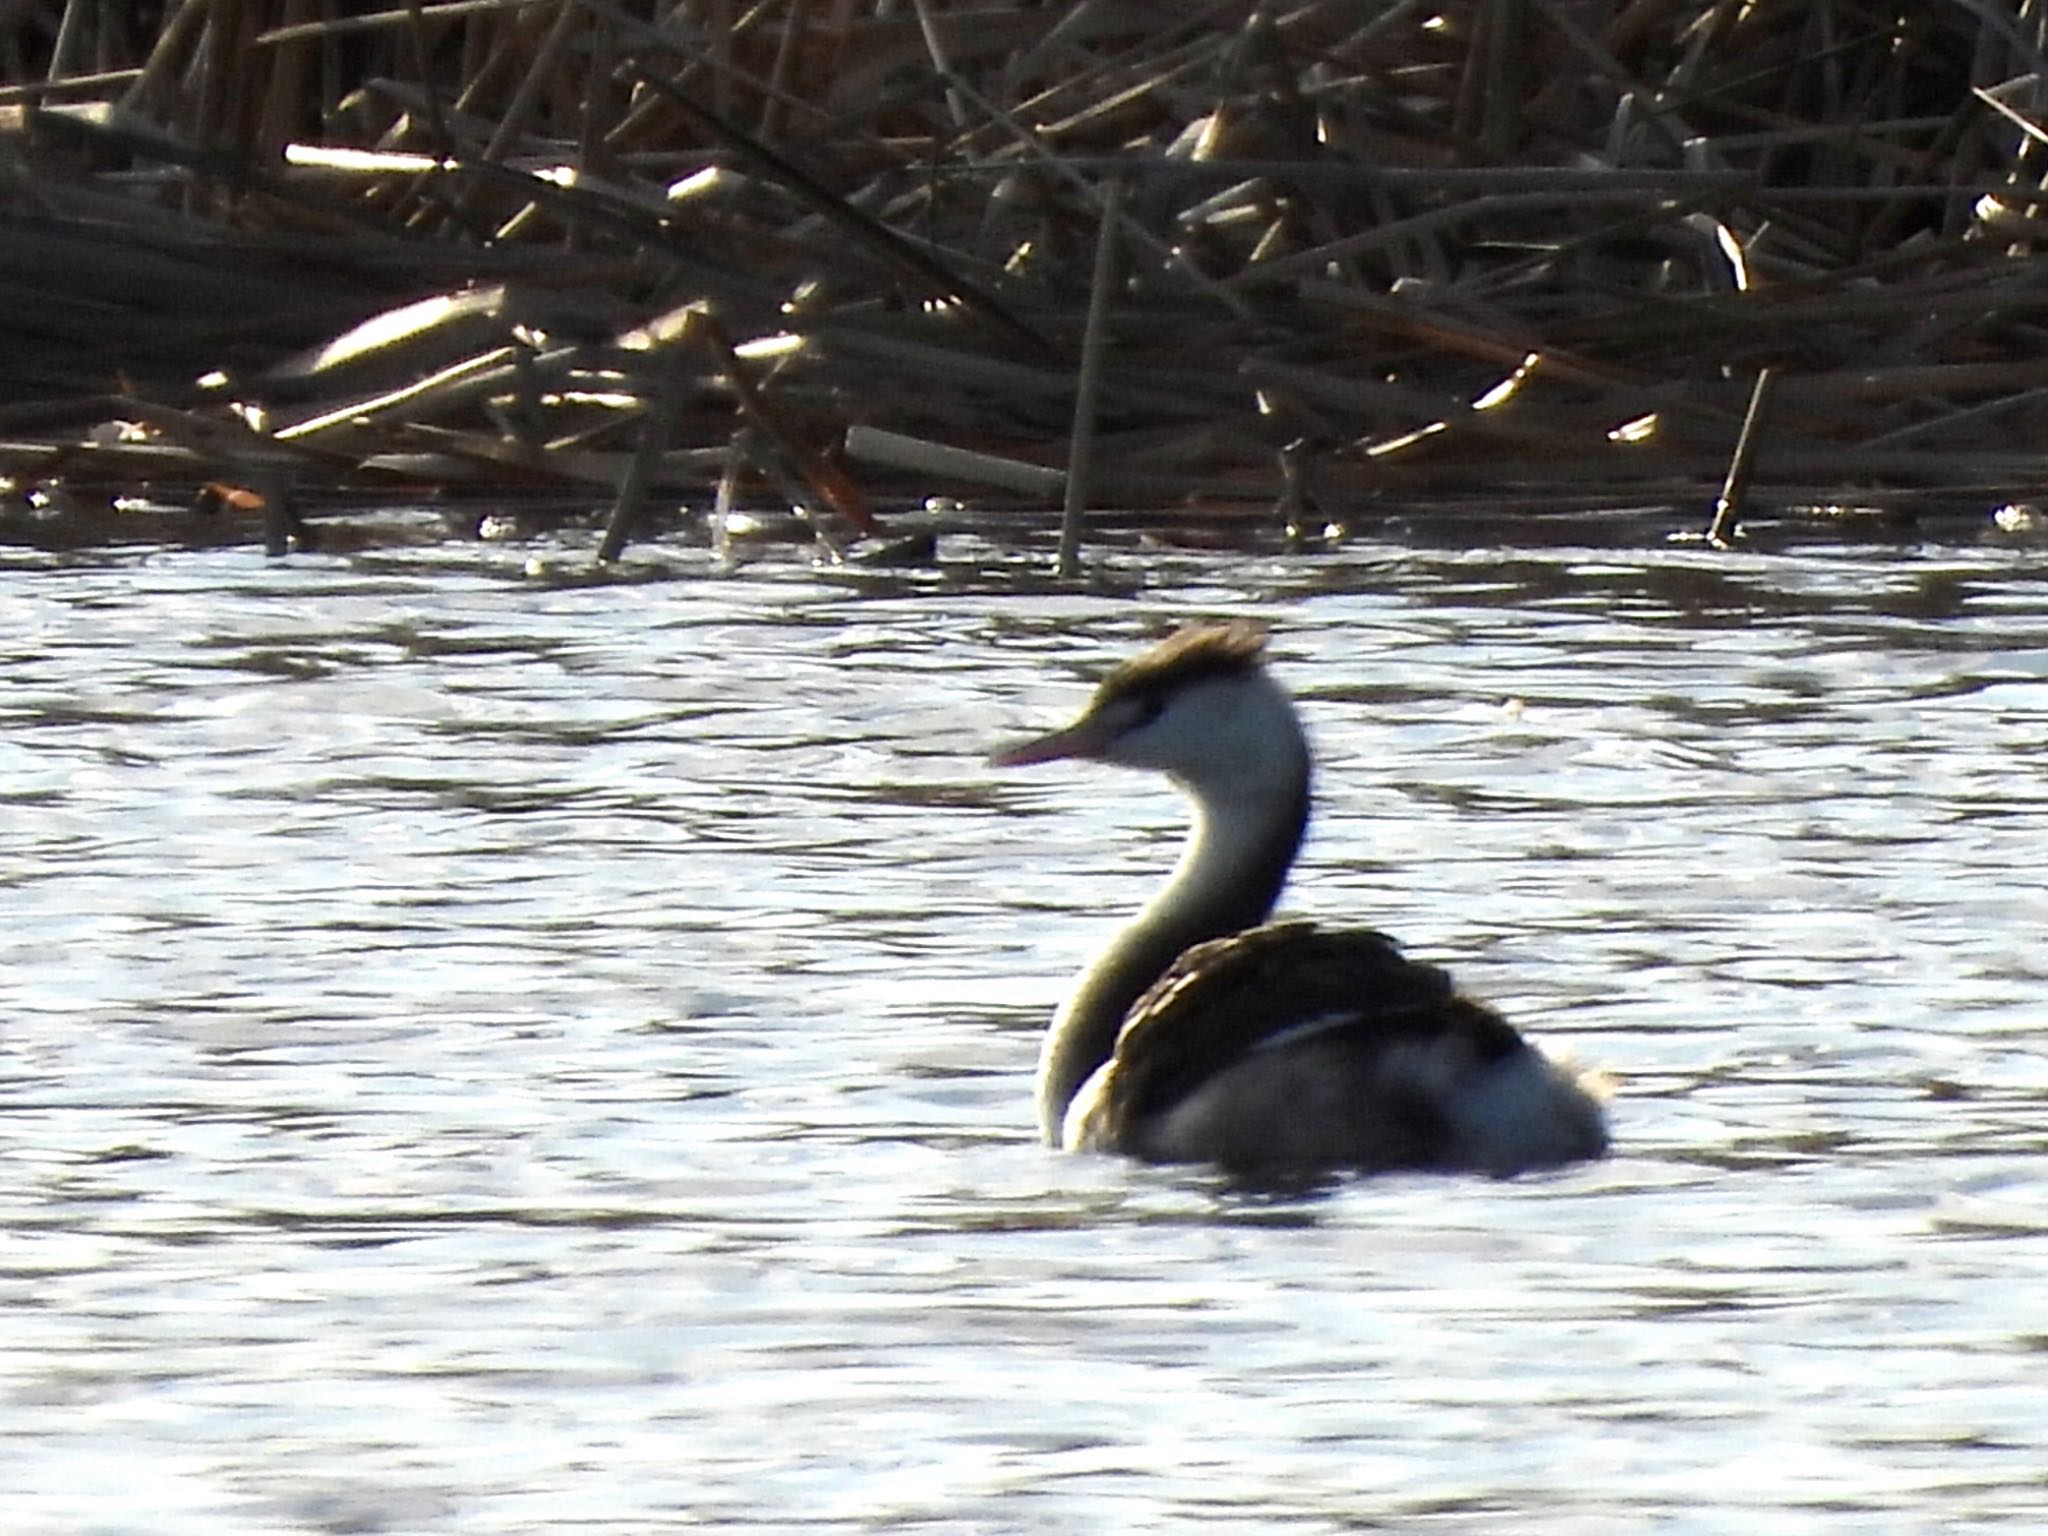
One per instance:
(1735, 489)
(1081, 446)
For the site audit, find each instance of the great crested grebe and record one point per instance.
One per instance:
(1204, 1033)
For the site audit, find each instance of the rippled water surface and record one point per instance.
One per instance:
(483, 1055)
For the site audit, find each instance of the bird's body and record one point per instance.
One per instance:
(1205, 1033)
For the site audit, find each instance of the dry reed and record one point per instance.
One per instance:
(626, 254)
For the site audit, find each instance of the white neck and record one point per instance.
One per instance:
(1230, 873)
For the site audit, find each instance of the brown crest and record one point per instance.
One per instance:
(1197, 652)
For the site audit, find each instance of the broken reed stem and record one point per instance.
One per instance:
(1735, 489)
(945, 461)
(1081, 445)
(70, 29)
(664, 386)
(738, 454)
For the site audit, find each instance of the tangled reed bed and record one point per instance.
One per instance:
(600, 254)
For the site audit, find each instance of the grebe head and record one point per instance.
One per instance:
(1199, 708)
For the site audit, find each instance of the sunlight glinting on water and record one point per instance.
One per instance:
(491, 1057)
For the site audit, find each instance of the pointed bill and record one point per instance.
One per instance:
(1084, 738)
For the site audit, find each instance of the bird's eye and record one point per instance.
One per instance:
(1148, 707)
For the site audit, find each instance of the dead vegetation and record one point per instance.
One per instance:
(616, 254)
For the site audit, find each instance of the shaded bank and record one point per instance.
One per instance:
(617, 257)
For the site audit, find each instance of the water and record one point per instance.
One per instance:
(491, 1056)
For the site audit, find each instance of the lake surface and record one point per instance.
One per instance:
(484, 1053)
